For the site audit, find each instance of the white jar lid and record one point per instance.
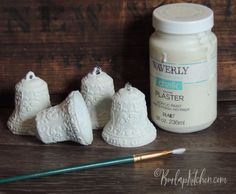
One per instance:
(182, 18)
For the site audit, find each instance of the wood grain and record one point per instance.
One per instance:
(212, 149)
(61, 41)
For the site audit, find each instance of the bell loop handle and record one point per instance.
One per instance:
(30, 75)
(97, 70)
(128, 86)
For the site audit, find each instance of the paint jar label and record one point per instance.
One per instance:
(181, 94)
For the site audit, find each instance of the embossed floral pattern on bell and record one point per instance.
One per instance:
(97, 89)
(129, 125)
(68, 121)
(31, 96)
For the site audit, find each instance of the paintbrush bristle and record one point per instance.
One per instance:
(178, 151)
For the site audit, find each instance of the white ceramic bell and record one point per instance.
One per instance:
(97, 89)
(31, 96)
(129, 125)
(68, 121)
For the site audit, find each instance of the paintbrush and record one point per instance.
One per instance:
(115, 161)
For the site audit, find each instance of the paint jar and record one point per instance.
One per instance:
(183, 68)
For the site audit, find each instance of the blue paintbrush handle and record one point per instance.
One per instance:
(115, 161)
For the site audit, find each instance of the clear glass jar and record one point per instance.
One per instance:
(183, 68)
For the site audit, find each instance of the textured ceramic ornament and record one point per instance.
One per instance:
(68, 121)
(97, 89)
(31, 96)
(129, 125)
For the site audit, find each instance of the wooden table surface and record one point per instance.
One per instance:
(61, 41)
(210, 153)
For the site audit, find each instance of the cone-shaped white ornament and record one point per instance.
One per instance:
(68, 121)
(97, 89)
(129, 125)
(31, 96)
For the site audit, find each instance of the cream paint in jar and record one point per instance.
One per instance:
(183, 68)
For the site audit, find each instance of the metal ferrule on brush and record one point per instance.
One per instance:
(146, 156)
